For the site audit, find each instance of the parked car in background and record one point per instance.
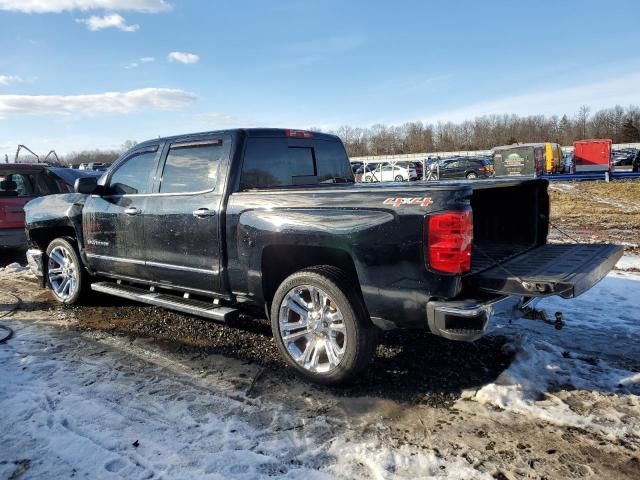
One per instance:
(388, 172)
(20, 183)
(462, 167)
(624, 157)
(97, 166)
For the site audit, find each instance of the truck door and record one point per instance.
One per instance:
(112, 222)
(182, 222)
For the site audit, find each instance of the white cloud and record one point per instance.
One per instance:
(9, 79)
(183, 57)
(620, 90)
(148, 59)
(109, 102)
(57, 6)
(114, 20)
(131, 65)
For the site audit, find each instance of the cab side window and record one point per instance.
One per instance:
(132, 177)
(193, 167)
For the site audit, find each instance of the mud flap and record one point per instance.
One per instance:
(565, 270)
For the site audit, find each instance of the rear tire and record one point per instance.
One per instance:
(399, 178)
(472, 175)
(65, 273)
(321, 327)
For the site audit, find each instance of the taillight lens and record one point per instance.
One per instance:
(448, 242)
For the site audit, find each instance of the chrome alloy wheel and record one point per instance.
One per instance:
(312, 329)
(62, 273)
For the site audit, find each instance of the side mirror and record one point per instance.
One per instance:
(86, 185)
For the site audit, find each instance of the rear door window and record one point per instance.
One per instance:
(193, 167)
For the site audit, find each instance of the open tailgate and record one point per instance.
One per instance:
(566, 270)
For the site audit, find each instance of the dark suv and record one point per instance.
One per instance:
(466, 168)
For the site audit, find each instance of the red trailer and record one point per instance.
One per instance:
(592, 155)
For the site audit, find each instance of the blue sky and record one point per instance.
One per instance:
(78, 74)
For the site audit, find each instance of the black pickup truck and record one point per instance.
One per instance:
(213, 223)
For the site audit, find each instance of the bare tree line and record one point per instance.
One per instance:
(99, 156)
(483, 133)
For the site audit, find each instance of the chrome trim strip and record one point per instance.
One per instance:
(152, 264)
(140, 195)
(171, 266)
(115, 259)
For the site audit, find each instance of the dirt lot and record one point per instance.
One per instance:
(597, 212)
(113, 389)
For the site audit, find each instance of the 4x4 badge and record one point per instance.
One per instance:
(396, 202)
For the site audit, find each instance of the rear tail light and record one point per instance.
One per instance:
(482, 169)
(298, 134)
(448, 240)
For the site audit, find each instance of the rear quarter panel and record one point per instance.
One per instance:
(381, 229)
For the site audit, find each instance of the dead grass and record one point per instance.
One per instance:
(597, 211)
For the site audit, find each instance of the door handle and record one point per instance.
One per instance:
(204, 212)
(131, 211)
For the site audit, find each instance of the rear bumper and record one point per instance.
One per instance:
(13, 238)
(468, 320)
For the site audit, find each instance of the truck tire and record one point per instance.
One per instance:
(321, 327)
(65, 273)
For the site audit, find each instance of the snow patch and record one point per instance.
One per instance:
(77, 407)
(13, 267)
(577, 376)
(629, 262)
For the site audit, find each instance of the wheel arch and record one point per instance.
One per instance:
(280, 261)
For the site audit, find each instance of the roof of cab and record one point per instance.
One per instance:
(249, 132)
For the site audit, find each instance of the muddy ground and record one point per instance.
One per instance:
(597, 212)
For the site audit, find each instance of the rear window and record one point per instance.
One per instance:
(282, 162)
(16, 185)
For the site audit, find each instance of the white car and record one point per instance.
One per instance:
(391, 173)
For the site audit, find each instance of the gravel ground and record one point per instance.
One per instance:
(412, 367)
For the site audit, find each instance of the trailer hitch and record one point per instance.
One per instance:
(539, 314)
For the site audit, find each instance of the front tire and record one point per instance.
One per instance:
(321, 327)
(65, 273)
